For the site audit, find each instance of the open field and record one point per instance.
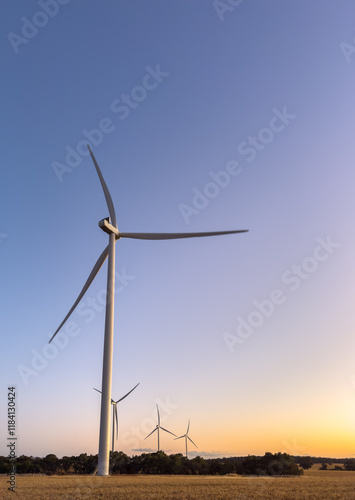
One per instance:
(314, 485)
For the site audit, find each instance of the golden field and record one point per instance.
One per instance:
(314, 485)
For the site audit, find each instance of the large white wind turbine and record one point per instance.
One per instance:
(109, 225)
(157, 428)
(186, 436)
(115, 414)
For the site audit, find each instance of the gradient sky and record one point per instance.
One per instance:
(285, 380)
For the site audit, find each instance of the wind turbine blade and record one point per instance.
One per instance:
(191, 441)
(158, 415)
(178, 438)
(118, 400)
(175, 236)
(162, 428)
(109, 201)
(188, 427)
(112, 401)
(90, 279)
(151, 433)
(116, 418)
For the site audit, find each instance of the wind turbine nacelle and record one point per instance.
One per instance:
(106, 226)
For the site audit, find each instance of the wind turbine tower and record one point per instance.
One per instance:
(115, 414)
(109, 225)
(157, 428)
(186, 436)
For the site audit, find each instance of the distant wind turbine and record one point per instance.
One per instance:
(115, 414)
(109, 225)
(157, 428)
(186, 436)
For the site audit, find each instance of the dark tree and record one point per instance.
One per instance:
(349, 464)
(120, 463)
(50, 464)
(305, 462)
(277, 464)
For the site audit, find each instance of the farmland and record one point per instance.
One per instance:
(315, 484)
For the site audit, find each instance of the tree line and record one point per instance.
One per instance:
(277, 464)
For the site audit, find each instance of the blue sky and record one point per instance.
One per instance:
(201, 117)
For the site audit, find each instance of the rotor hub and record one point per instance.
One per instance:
(105, 225)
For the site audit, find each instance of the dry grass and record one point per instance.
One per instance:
(314, 485)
